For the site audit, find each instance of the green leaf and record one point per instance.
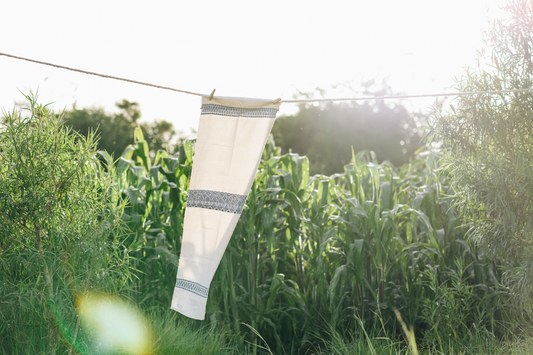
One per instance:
(123, 165)
(189, 150)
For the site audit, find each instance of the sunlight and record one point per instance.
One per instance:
(116, 324)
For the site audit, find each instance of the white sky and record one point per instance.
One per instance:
(266, 49)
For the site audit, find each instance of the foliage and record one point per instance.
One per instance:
(116, 130)
(489, 143)
(326, 134)
(314, 263)
(315, 254)
(60, 229)
(154, 214)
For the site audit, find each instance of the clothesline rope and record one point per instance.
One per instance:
(408, 96)
(101, 75)
(367, 98)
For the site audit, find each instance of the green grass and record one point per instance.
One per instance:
(178, 335)
(380, 345)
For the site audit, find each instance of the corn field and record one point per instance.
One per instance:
(317, 255)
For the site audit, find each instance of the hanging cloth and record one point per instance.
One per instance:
(231, 137)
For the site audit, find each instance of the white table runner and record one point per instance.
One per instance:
(231, 137)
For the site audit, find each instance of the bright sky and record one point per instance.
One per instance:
(266, 49)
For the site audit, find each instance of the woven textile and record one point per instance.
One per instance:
(231, 138)
(216, 200)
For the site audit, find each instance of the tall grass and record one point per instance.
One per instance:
(312, 255)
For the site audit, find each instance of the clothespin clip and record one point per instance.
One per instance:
(277, 100)
(212, 94)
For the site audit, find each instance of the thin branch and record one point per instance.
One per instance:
(24, 244)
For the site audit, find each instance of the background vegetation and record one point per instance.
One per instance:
(374, 258)
(328, 132)
(115, 131)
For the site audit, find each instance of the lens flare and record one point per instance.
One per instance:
(115, 324)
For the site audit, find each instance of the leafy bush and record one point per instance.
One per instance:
(488, 143)
(115, 131)
(60, 229)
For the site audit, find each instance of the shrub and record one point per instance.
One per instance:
(60, 228)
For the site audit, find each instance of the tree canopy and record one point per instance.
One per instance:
(115, 131)
(328, 133)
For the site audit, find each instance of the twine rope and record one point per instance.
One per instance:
(367, 98)
(408, 96)
(101, 75)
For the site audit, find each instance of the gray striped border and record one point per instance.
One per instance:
(193, 287)
(262, 112)
(216, 200)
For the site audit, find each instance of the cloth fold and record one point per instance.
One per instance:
(231, 137)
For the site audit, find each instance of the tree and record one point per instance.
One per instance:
(327, 133)
(160, 136)
(488, 142)
(115, 131)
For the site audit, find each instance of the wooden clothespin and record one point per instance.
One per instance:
(212, 94)
(277, 100)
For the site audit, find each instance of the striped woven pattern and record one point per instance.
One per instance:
(193, 287)
(216, 200)
(214, 109)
